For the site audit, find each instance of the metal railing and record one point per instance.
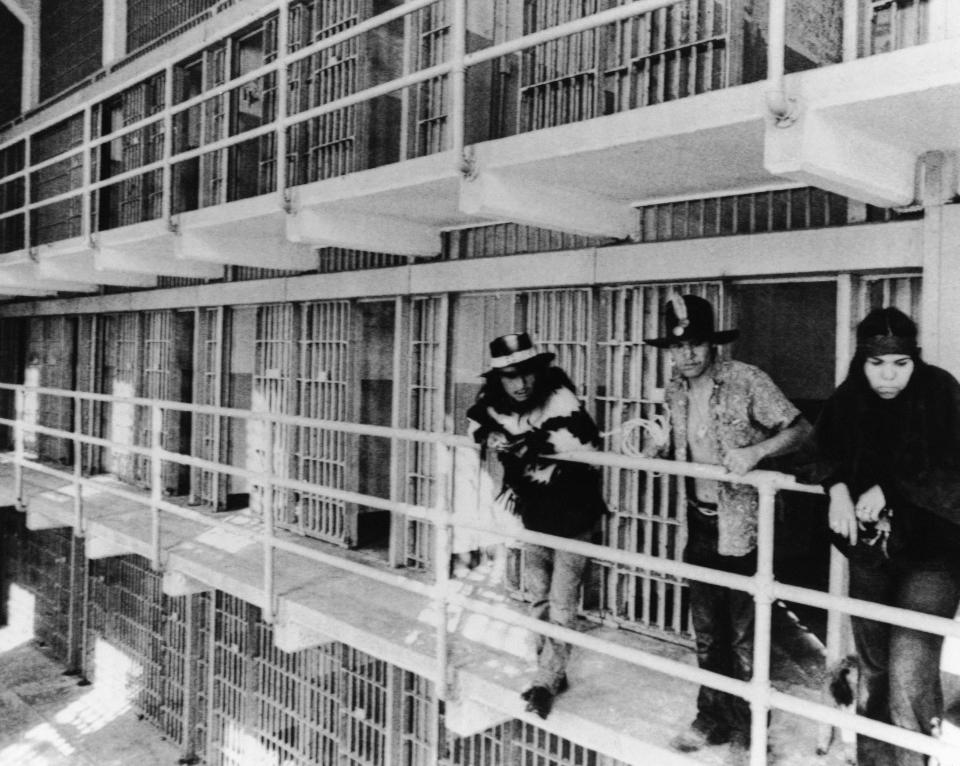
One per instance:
(762, 586)
(152, 182)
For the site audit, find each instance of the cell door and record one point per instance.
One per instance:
(326, 392)
(645, 515)
(426, 354)
(209, 488)
(121, 368)
(269, 443)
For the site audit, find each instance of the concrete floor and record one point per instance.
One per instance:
(47, 719)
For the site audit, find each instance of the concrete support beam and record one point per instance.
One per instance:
(292, 636)
(819, 151)
(495, 196)
(149, 248)
(114, 30)
(241, 248)
(37, 522)
(178, 584)
(11, 281)
(82, 267)
(359, 231)
(102, 548)
(467, 717)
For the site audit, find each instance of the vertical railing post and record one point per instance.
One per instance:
(760, 683)
(268, 528)
(458, 79)
(443, 546)
(781, 107)
(18, 447)
(78, 523)
(851, 29)
(156, 479)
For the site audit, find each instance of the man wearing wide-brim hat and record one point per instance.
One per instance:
(727, 413)
(528, 410)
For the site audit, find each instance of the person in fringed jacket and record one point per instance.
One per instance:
(527, 410)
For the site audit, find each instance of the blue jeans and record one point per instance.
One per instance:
(552, 579)
(899, 667)
(723, 623)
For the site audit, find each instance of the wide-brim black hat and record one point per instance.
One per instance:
(515, 350)
(690, 318)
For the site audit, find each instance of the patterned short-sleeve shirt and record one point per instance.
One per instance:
(746, 407)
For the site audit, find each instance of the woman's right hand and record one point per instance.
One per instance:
(843, 519)
(497, 441)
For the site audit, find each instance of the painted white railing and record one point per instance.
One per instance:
(762, 586)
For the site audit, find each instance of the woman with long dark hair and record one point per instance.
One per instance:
(888, 443)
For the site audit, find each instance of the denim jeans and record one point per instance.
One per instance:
(552, 580)
(723, 621)
(899, 667)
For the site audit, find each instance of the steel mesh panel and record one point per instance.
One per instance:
(326, 393)
(644, 510)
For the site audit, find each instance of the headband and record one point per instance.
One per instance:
(878, 345)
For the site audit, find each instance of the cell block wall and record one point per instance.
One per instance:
(644, 516)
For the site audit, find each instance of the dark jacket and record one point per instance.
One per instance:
(908, 446)
(555, 497)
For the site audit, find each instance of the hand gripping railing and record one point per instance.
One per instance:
(446, 520)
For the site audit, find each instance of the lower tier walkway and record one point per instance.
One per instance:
(615, 707)
(48, 719)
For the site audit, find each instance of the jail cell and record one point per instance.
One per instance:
(560, 321)
(558, 79)
(208, 487)
(270, 444)
(127, 610)
(328, 704)
(895, 24)
(121, 378)
(50, 364)
(432, 97)
(646, 511)
(672, 52)
(89, 367)
(427, 368)
(325, 146)
(900, 291)
(326, 392)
